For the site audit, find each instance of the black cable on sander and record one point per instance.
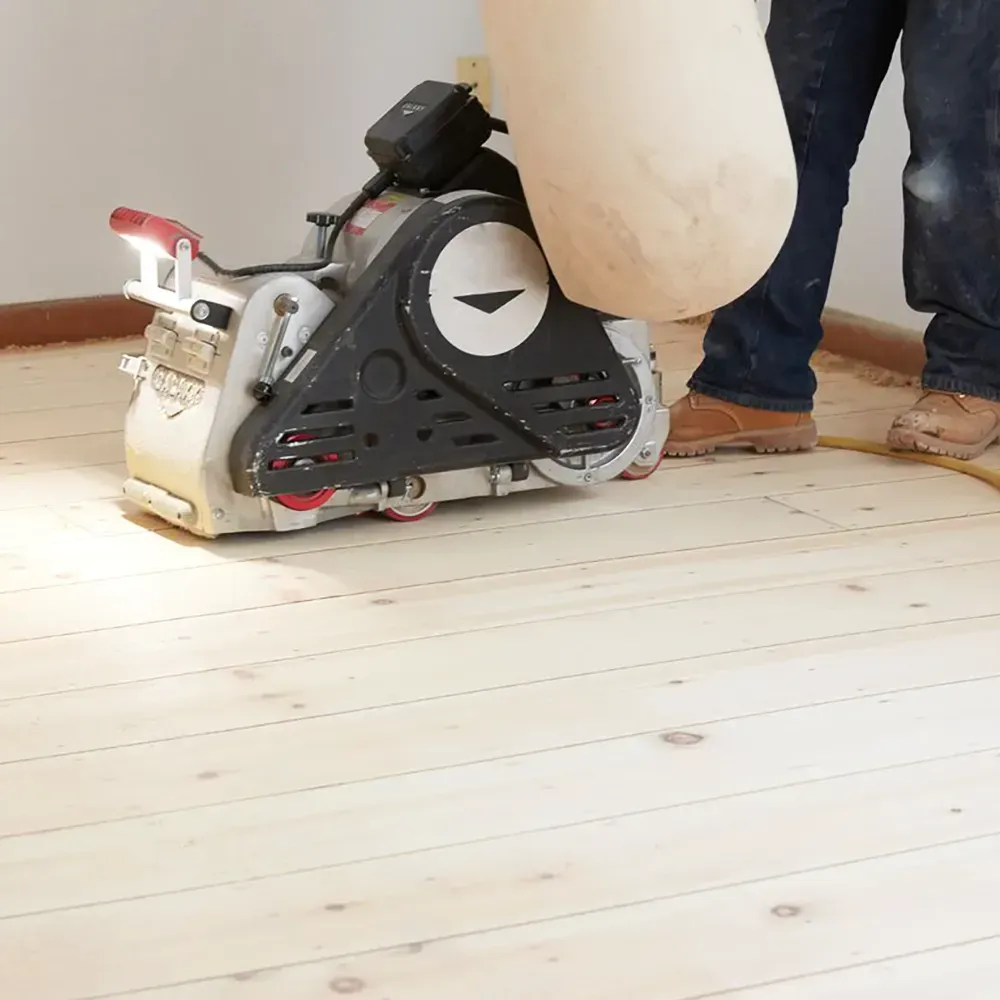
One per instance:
(376, 186)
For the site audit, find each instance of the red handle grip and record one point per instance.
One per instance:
(163, 233)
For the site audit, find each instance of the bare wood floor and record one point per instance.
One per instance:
(730, 732)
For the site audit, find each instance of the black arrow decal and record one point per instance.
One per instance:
(489, 302)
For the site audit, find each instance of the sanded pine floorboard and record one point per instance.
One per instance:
(287, 692)
(62, 422)
(709, 601)
(577, 783)
(629, 871)
(31, 397)
(879, 504)
(35, 458)
(706, 944)
(196, 770)
(451, 609)
(74, 363)
(728, 732)
(59, 488)
(595, 570)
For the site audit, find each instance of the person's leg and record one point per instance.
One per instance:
(830, 58)
(951, 62)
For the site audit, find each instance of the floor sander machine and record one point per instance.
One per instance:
(417, 350)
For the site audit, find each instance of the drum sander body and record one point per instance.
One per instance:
(418, 350)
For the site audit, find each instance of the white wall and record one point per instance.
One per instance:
(868, 276)
(239, 116)
(234, 116)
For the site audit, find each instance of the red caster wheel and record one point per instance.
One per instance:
(636, 473)
(302, 502)
(404, 515)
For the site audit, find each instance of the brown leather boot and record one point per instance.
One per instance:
(946, 423)
(700, 424)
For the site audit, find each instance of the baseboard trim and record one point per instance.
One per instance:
(71, 321)
(872, 342)
(860, 338)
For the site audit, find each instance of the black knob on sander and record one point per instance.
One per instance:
(322, 219)
(263, 392)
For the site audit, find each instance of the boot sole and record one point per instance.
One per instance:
(906, 440)
(775, 442)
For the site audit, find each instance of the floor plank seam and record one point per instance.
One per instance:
(921, 522)
(681, 724)
(262, 558)
(442, 768)
(557, 828)
(679, 661)
(575, 915)
(791, 508)
(480, 528)
(835, 969)
(756, 588)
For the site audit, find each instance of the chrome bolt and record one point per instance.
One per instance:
(286, 305)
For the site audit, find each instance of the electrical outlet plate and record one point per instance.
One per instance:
(475, 70)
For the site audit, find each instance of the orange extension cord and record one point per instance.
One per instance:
(990, 476)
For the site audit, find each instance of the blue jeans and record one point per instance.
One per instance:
(830, 59)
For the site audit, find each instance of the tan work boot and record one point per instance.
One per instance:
(700, 424)
(947, 423)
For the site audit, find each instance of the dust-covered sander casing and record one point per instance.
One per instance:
(193, 392)
(431, 356)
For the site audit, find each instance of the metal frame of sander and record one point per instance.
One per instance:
(417, 350)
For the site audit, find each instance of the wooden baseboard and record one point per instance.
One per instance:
(869, 341)
(71, 321)
(883, 345)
